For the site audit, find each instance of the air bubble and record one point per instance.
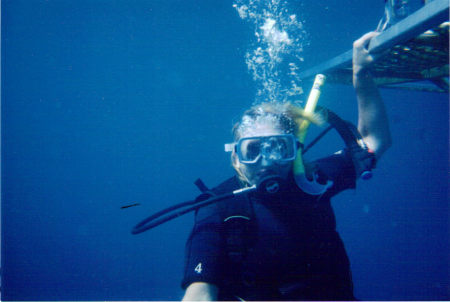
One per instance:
(277, 50)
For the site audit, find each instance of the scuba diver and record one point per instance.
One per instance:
(283, 246)
(396, 10)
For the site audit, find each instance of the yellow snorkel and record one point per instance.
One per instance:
(308, 186)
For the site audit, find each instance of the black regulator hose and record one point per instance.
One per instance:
(159, 218)
(268, 185)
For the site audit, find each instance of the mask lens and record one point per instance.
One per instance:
(250, 149)
(274, 148)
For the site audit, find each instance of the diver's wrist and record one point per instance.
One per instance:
(361, 71)
(361, 75)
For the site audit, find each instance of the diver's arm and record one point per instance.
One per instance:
(200, 291)
(373, 123)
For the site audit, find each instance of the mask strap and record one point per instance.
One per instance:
(230, 147)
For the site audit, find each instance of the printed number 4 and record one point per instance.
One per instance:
(198, 269)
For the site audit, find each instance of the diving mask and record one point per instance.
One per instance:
(279, 148)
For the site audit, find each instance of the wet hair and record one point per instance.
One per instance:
(283, 116)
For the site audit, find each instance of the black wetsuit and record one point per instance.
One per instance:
(288, 250)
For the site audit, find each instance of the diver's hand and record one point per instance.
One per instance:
(201, 291)
(373, 123)
(361, 57)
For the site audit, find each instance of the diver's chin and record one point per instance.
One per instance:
(264, 173)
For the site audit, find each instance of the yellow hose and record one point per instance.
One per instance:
(304, 124)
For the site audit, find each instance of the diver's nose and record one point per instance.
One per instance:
(265, 162)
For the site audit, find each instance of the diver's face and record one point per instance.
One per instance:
(263, 166)
(400, 8)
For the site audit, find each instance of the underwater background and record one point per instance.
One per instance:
(112, 103)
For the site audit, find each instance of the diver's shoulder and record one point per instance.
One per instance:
(212, 214)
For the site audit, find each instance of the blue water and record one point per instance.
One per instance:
(110, 103)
